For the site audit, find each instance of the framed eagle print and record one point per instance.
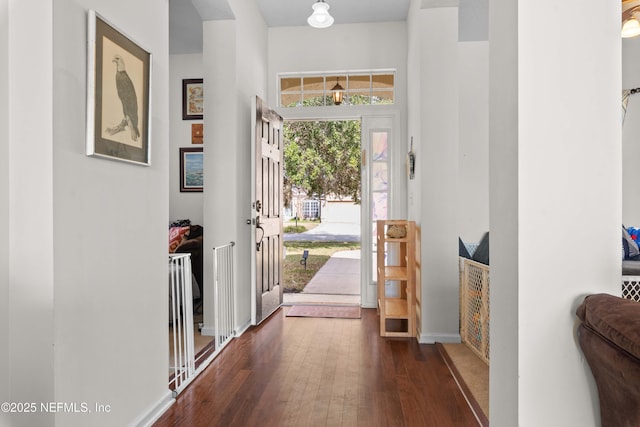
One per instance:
(118, 94)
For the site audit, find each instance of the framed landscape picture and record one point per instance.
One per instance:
(191, 169)
(118, 94)
(192, 99)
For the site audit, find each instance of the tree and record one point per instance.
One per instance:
(323, 157)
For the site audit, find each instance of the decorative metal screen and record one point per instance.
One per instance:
(474, 307)
(631, 287)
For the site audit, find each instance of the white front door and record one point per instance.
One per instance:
(267, 206)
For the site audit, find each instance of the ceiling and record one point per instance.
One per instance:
(285, 13)
(185, 30)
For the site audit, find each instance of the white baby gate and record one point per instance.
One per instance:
(223, 295)
(181, 318)
(183, 365)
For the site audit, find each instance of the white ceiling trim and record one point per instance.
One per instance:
(213, 10)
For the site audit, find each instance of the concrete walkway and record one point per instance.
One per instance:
(338, 281)
(339, 275)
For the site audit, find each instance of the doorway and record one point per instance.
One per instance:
(323, 199)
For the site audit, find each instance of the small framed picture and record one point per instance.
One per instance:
(192, 99)
(118, 94)
(191, 169)
(196, 133)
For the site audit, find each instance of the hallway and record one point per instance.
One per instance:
(317, 372)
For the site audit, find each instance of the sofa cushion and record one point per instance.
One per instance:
(630, 267)
(615, 319)
(189, 245)
(195, 231)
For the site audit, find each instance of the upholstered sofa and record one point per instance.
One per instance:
(187, 238)
(192, 243)
(609, 335)
(630, 263)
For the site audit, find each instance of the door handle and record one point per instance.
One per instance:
(259, 227)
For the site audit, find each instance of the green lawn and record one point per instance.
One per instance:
(295, 275)
(299, 226)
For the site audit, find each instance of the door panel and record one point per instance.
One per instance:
(267, 211)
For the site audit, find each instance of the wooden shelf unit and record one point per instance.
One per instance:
(396, 265)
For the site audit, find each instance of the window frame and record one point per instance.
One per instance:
(329, 79)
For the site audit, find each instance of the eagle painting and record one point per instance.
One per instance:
(127, 95)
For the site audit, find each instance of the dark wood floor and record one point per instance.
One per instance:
(293, 371)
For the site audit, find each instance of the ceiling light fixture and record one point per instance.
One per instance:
(337, 93)
(320, 17)
(631, 28)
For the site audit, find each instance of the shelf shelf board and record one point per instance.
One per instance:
(396, 308)
(395, 273)
(396, 239)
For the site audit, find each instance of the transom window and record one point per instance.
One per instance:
(347, 88)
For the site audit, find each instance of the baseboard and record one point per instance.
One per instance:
(210, 331)
(432, 338)
(156, 411)
(242, 329)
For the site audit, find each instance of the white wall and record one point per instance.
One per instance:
(473, 141)
(182, 205)
(5, 386)
(234, 68)
(631, 134)
(30, 207)
(380, 45)
(433, 195)
(548, 136)
(503, 193)
(110, 231)
(414, 104)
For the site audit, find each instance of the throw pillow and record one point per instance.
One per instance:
(175, 237)
(462, 249)
(180, 223)
(631, 249)
(481, 254)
